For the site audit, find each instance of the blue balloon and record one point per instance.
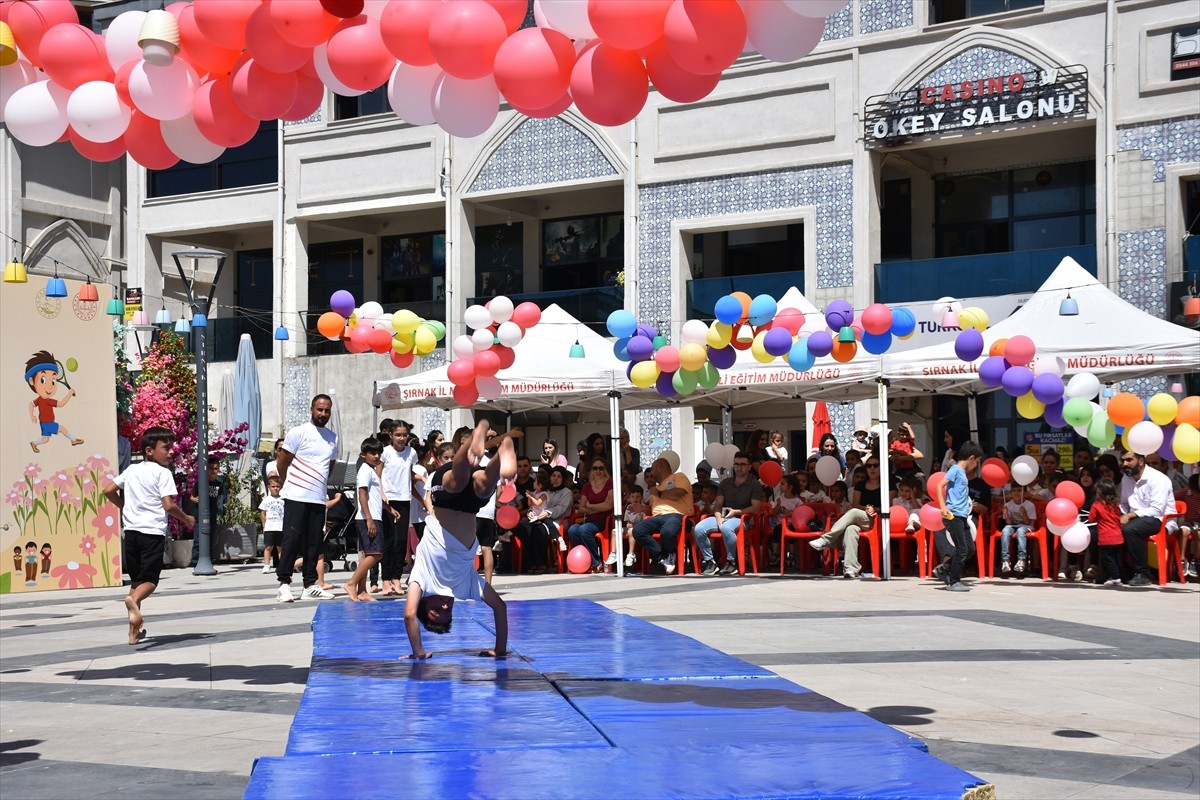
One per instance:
(904, 322)
(762, 310)
(876, 343)
(728, 310)
(621, 349)
(800, 358)
(820, 344)
(722, 358)
(621, 323)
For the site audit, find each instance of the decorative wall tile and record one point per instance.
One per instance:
(1169, 142)
(316, 116)
(297, 398)
(840, 25)
(433, 418)
(1145, 388)
(542, 151)
(1142, 259)
(841, 420)
(978, 62)
(884, 15)
(654, 435)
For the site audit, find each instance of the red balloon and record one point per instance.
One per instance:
(898, 519)
(72, 55)
(508, 492)
(673, 81)
(144, 140)
(121, 82)
(994, 472)
(579, 560)
(1071, 492)
(197, 50)
(465, 36)
(260, 93)
(30, 21)
(801, 516)
(533, 68)
(609, 85)
(790, 319)
(553, 110)
(527, 315)
(357, 56)
(267, 46)
(223, 22)
(705, 36)
(465, 395)
(304, 23)
(931, 485)
(404, 26)
(217, 116)
(401, 360)
(506, 354)
(628, 24)
(346, 9)
(511, 11)
(487, 363)
(99, 152)
(310, 92)
(1062, 512)
(770, 473)
(380, 340)
(461, 372)
(507, 517)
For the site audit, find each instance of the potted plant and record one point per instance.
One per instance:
(238, 529)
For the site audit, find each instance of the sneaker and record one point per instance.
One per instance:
(849, 574)
(1062, 576)
(818, 543)
(730, 568)
(612, 559)
(958, 587)
(1077, 576)
(284, 595)
(266, 569)
(562, 544)
(630, 558)
(710, 568)
(1141, 580)
(498, 547)
(1191, 570)
(1020, 565)
(668, 562)
(939, 572)
(1005, 567)
(1090, 573)
(1113, 582)
(315, 592)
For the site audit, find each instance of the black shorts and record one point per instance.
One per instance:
(485, 531)
(143, 556)
(272, 538)
(368, 544)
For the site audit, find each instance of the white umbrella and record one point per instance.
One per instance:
(247, 399)
(225, 403)
(335, 424)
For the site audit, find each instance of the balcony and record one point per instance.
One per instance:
(703, 293)
(973, 276)
(589, 306)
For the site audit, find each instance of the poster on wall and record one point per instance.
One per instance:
(58, 445)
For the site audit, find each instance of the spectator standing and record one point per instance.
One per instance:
(218, 495)
(369, 496)
(903, 452)
(396, 478)
(1146, 497)
(1106, 514)
(271, 511)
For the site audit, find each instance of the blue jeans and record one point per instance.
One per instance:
(667, 526)
(729, 529)
(584, 533)
(1005, 535)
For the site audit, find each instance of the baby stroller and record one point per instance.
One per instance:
(341, 535)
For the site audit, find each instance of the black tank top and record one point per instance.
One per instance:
(464, 501)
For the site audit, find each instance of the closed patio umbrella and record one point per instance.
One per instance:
(247, 399)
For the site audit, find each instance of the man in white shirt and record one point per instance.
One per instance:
(304, 461)
(1146, 496)
(396, 478)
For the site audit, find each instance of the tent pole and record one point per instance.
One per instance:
(885, 527)
(726, 424)
(973, 416)
(614, 432)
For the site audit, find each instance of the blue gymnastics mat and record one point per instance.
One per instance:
(589, 704)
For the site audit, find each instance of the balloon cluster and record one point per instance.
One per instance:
(188, 85)
(1160, 425)
(973, 321)
(671, 370)
(1062, 512)
(496, 328)
(401, 334)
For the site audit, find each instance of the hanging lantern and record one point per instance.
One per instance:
(14, 272)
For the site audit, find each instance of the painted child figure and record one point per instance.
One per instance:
(444, 564)
(42, 373)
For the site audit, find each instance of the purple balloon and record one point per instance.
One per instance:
(1017, 381)
(991, 371)
(1053, 414)
(820, 343)
(1048, 388)
(777, 341)
(342, 302)
(664, 385)
(647, 330)
(1167, 451)
(968, 346)
(722, 358)
(838, 314)
(639, 348)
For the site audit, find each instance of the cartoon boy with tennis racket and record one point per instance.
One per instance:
(42, 373)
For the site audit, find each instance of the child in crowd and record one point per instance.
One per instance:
(367, 518)
(271, 513)
(909, 498)
(787, 501)
(839, 495)
(635, 510)
(1187, 525)
(707, 504)
(1019, 515)
(810, 489)
(145, 493)
(1106, 513)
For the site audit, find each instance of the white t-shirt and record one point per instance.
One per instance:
(397, 472)
(312, 449)
(145, 485)
(367, 479)
(443, 566)
(1021, 513)
(416, 509)
(274, 508)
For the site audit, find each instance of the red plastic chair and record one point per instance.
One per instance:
(1167, 547)
(681, 544)
(872, 538)
(1037, 533)
(786, 532)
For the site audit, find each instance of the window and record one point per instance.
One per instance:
(950, 10)
(765, 260)
(252, 300)
(331, 266)
(582, 252)
(412, 273)
(498, 259)
(373, 102)
(253, 164)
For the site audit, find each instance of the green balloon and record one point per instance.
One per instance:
(72, 365)
(709, 377)
(1101, 430)
(439, 330)
(684, 381)
(1077, 411)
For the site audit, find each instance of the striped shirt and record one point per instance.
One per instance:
(312, 450)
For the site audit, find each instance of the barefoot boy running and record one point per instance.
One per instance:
(444, 565)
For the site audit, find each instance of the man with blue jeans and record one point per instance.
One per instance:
(670, 502)
(737, 497)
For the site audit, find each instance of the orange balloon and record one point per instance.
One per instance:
(744, 299)
(1189, 411)
(1126, 409)
(331, 325)
(997, 348)
(844, 351)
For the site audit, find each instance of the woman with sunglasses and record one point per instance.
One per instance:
(595, 504)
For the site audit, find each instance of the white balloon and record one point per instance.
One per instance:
(465, 108)
(187, 142)
(96, 112)
(1076, 538)
(1024, 469)
(321, 65)
(1049, 365)
(476, 317)
(714, 454)
(383, 322)
(1056, 529)
(36, 114)
(489, 387)
(731, 451)
(829, 470)
(509, 333)
(779, 34)
(1085, 385)
(1145, 437)
(482, 339)
(568, 16)
(410, 91)
(694, 332)
(368, 312)
(501, 309)
(163, 92)
(16, 75)
(121, 38)
(463, 348)
(672, 459)
(816, 8)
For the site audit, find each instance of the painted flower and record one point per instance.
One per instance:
(39, 487)
(61, 479)
(87, 545)
(74, 575)
(107, 521)
(65, 498)
(81, 470)
(97, 461)
(33, 470)
(88, 485)
(13, 499)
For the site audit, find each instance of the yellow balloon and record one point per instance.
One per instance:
(1162, 408)
(906, 338)
(352, 321)
(758, 351)
(424, 340)
(644, 374)
(1187, 443)
(1030, 407)
(1125, 440)
(405, 321)
(402, 344)
(981, 318)
(967, 319)
(719, 335)
(692, 356)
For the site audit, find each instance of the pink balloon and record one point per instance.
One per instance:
(357, 56)
(931, 517)
(667, 358)
(186, 141)
(1070, 491)
(466, 395)
(511, 11)
(410, 91)
(260, 93)
(465, 36)
(219, 119)
(579, 560)
(405, 30)
(72, 55)
(705, 36)
(310, 92)
(304, 23)
(145, 143)
(1019, 350)
(933, 482)
(801, 516)
(673, 81)
(223, 22)
(877, 319)
(96, 112)
(36, 114)
(267, 46)
(461, 372)
(790, 319)
(97, 151)
(487, 363)
(609, 85)
(628, 24)
(1062, 512)
(465, 108)
(197, 50)
(527, 315)
(30, 21)
(553, 110)
(163, 92)
(779, 34)
(508, 517)
(533, 68)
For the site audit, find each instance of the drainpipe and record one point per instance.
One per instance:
(277, 267)
(1110, 142)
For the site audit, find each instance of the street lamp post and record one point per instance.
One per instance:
(200, 306)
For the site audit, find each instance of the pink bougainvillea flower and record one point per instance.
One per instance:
(74, 575)
(33, 470)
(107, 521)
